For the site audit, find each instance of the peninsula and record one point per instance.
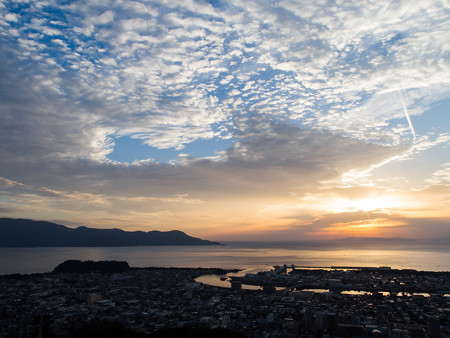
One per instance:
(29, 233)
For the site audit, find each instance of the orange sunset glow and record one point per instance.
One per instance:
(240, 121)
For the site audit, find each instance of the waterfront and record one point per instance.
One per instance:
(356, 281)
(147, 300)
(255, 256)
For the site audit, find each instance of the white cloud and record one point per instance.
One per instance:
(441, 177)
(294, 83)
(335, 58)
(12, 17)
(103, 18)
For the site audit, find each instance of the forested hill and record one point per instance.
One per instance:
(29, 233)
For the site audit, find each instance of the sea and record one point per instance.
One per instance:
(248, 256)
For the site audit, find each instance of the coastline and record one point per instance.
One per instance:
(258, 257)
(293, 278)
(147, 300)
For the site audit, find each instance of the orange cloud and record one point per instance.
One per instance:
(365, 224)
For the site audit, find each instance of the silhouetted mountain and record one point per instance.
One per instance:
(28, 233)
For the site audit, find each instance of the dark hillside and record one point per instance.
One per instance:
(28, 233)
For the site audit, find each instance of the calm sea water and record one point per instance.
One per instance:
(251, 255)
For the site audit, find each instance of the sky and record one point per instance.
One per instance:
(228, 120)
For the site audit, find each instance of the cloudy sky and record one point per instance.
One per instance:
(282, 120)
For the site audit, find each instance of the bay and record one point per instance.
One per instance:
(252, 256)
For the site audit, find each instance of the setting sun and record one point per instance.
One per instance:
(366, 227)
(217, 120)
(381, 203)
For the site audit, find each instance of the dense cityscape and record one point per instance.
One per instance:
(336, 302)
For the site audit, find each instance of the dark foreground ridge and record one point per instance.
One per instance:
(28, 233)
(168, 302)
(91, 266)
(108, 267)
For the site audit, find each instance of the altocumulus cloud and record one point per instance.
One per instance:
(306, 91)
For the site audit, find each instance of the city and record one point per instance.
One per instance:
(150, 299)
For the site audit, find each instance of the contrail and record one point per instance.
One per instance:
(405, 110)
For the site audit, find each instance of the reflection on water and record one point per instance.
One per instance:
(215, 280)
(356, 293)
(225, 282)
(361, 293)
(251, 257)
(220, 281)
(315, 290)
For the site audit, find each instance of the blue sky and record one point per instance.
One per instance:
(129, 150)
(223, 118)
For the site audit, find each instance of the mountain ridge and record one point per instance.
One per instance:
(29, 233)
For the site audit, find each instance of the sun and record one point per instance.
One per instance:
(377, 203)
